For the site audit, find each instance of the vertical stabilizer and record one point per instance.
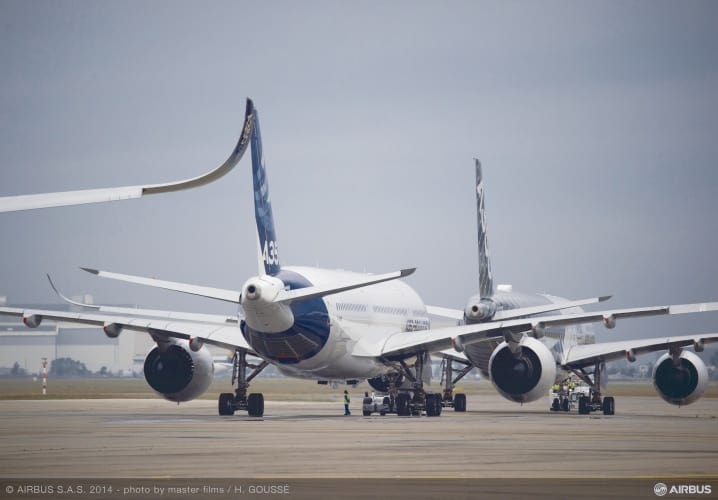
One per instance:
(266, 235)
(486, 280)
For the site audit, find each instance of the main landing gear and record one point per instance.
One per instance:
(594, 401)
(416, 401)
(408, 404)
(254, 403)
(448, 381)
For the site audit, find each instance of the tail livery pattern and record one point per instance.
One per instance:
(268, 250)
(486, 280)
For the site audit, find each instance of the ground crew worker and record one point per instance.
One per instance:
(346, 403)
(571, 385)
(556, 387)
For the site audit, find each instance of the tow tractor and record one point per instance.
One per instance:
(377, 404)
(568, 396)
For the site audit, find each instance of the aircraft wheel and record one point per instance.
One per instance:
(433, 405)
(555, 405)
(609, 405)
(402, 405)
(226, 403)
(565, 405)
(583, 407)
(255, 404)
(460, 402)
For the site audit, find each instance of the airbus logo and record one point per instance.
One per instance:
(660, 489)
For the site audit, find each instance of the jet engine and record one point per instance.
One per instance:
(526, 375)
(681, 382)
(177, 373)
(382, 383)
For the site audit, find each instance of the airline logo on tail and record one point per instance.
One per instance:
(262, 204)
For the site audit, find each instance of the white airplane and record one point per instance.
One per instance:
(82, 197)
(524, 365)
(313, 323)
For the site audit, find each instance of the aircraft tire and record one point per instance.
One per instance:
(226, 403)
(583, 407)
(402, 405)
(609, 405)
(460, 402)
(565, 405)
(255, 404)
(431, 406)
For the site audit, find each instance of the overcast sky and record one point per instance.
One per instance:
(596, 123)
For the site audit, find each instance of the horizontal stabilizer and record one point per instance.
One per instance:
(153, 313)
(202, 291)
(320, 291)
(445, 312)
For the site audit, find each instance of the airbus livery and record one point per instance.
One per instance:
(341, 326)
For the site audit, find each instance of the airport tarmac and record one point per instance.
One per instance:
(149, 438)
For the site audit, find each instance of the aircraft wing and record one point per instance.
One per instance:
(519, 312)
(227, 336)
(586, 355)
(65, 198)
(531, 311)
(285, 296)
(404, 344)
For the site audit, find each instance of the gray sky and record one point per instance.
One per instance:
(596, 123)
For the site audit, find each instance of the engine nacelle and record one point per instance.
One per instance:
(382, 384)
(178, 373)
(683, 382)
(525, 377)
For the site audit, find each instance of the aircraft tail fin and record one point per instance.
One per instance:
(486, 280)
(266, 234)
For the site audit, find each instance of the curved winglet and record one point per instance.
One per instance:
(65, 198)
(66, 299)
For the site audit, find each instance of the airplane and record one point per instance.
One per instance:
(313, 323)
(86, 196)
(523, 366)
